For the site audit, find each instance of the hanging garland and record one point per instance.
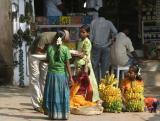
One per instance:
(28, 12)
(20, 37)
(18, 40)
(21, 65)
(17, 43)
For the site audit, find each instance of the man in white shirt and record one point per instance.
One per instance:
(93, 7)
(53, 7)
(122, 51)
(100, 34)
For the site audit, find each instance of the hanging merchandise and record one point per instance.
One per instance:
(28, 12)
(18, 40)
(28, 15)
(27, 36)
(110, 94)
(23, 35)
(21, 65)
(14, 11)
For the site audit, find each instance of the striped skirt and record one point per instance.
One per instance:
(56, 96)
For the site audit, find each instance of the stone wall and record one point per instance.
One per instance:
(6, 42)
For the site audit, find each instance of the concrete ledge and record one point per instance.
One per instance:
(151, 78)
(151, 65)
(151, 91)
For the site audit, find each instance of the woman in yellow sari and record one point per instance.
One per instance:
(85, 73)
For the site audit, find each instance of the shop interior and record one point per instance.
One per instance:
(142, 16)
(135, 14)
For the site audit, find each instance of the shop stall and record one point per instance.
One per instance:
(151, 29)
(27, 24)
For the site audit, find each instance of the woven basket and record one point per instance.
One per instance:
(93, 110)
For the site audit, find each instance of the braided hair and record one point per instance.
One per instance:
(59, 37)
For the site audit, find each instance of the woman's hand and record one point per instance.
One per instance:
(76, 53)
(71, 82)
(124, 100)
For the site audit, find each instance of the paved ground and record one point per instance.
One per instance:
(15, 106)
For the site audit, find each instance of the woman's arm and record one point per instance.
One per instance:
(77, 53)
(71, 81)
(122, 87)
(123, 98)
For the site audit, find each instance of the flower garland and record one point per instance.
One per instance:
(20, 37)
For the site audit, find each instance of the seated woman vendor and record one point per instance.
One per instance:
(132, 88)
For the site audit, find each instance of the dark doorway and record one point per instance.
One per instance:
(128, 15)
(5, 72)
(38, 5)
(122, 12)
(74, 6)
(71, 6)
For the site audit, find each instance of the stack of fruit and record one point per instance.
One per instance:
(135, 99)
(110, 94)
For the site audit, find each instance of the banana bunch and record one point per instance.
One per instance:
(110, 94)
(115, 106)
(135, 99)
(135, 106)
(133, 96)
(108, 80)
(110, 99)
(102, 87)
(112, 91)
(138, 89)
(134, 93)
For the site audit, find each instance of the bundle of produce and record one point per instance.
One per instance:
(80, 106)
(152, 104)
(78, 100)
(110, 94)
(134, 99)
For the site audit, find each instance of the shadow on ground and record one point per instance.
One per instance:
(9, 91)
(24, 116)
(156, 117)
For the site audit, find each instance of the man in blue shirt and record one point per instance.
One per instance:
(53, 7)
(101, 32)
